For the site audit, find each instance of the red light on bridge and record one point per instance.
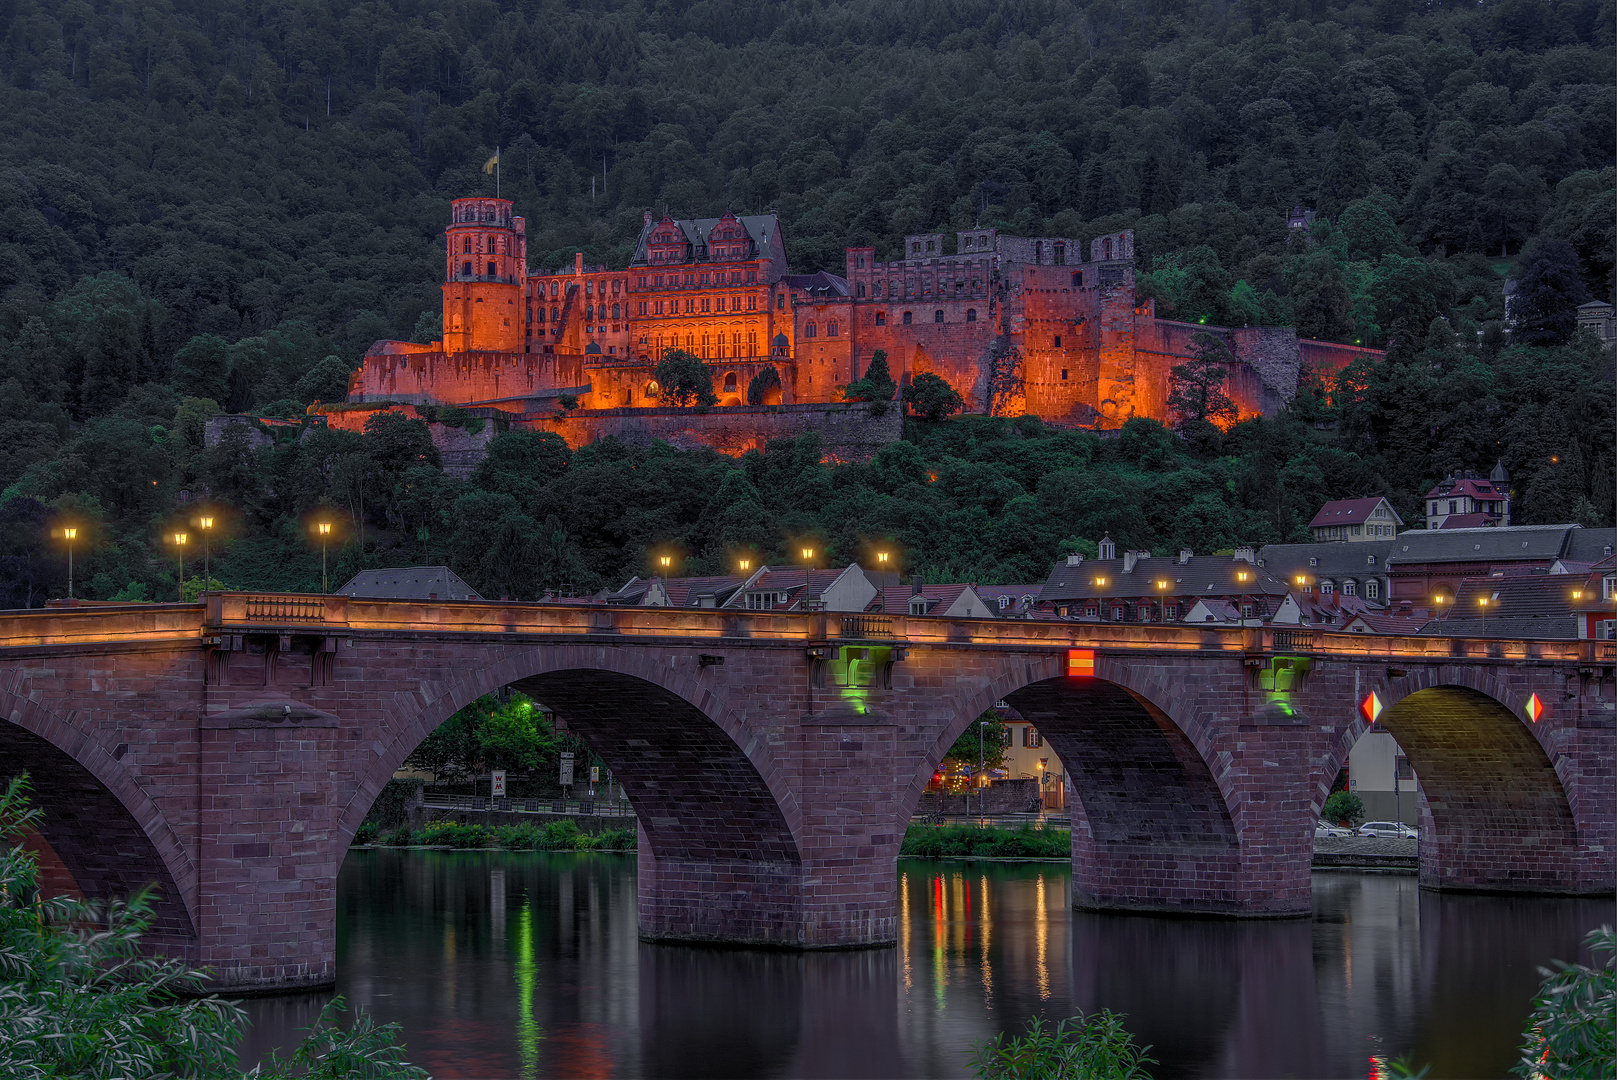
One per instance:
(1081, 663)
(1535, 708)
(1371, 707)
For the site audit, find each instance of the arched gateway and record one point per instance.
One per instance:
(227, 752)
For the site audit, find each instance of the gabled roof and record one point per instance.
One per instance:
(1350, 512)
(1202, 575)
(940, 600)
(1517, 543)
(763, 229)
(409, 583)
(1590, 545)
(1536, 606)
(819, 284)
(1468, 521)
(1476, 486)
(1023, 599)
(693, 591)
(1381, 622)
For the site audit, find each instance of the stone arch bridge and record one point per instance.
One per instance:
(228, 750)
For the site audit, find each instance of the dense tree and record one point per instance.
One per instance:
(875, 386)
(762, 385)
(1198, 387)
(683, 380)
(1548, 292)
(931, 398)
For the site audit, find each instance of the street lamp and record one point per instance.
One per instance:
(982, 766)
(744, 565)
(205, 523)
(1162, 600)
(665, 561)
(1100, 597)
(808, 555)
(179, 545)
(1482, 602)
(70, 534)
(323, 530)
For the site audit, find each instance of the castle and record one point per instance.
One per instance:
(1014, 325)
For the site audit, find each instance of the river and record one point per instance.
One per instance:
(513, 964)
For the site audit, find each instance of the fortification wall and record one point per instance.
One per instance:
(848, 432)
(956, 350)
(1326, 359)
(497, 378)
(460, 448)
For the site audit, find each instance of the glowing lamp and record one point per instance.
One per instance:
(808, 553)
(323, 528)
(205, 522)
(70, 533)
(1301, 579)
(1371, 707)
(1081, 663)
(181, 538)
(881, 557)
(1100, 581)
(744, 564)
(1535, 708)
(1577, 594)
(665, 561)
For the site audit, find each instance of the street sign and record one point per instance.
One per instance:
(566, 768)
(497, 784)
(595, 774)
(1081, 663)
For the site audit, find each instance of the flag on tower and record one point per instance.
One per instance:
(492, 163)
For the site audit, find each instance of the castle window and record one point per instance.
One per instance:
(1058, 341)
(642, 307)
(752, 277)
(1061, 254)
(831, 328)
(465, 269)
(735, 303)
(491, 269)
(881, 318)
(780, 302)
(555, 313)
(860, 262)
(752, 303)
(937, 316)
(809, 330)
(466, 247)
(688, 303)
(861, 291)
(931, 246)
(1063, 374)
(553, 289)
(589, 288)
(704, 303)
(971, 314)
(541, 315)
(907, 318)
(1078, 280)
(615, 315)
(1106, 248)
(729, 382)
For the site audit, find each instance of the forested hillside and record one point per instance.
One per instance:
(219, 205)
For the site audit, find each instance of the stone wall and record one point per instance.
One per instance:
(848, 432)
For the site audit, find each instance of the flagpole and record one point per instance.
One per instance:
(496, 172)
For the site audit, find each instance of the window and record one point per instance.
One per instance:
(541, 315)
(1327, 588)
(752, 303)
(1004, 602)
(555, 313)
(1106, 248)
(831, 328)
(553, 289)
(907, 318)
(861, 287)
(1090, 611)
(729, 382)
(589, 288)
(614, 311)
(1350, 588)
(465, 269)
(1058, 341)
(1031, 737)
(1061, 254)
(937, 316)
(780, 303)
(1117, 613)
(971, 314)
(1451, 506)
(491, 270)
(642, 307)
(1171, 612)
(1372, 589)
(809, 330)
(704, 304)
(466, 248)
(1247, 611)
(881, 318)
(1063, 374)
(918, 605)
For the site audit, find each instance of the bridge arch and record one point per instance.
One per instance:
(719, 830)
(101, 823)
(1498, 804)
(1153, 827)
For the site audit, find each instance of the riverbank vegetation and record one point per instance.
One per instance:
(80, 998)
(211, 209)
(563, 835)
(1096, 1047)
(1572, 1033)
(986, 842)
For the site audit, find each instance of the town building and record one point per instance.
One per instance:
(1355, 520)
(1185, 588)
(951, 601)
(1046, 325)
(1467, 500)
(1601, 318)
(1381, 776)
(409, 583)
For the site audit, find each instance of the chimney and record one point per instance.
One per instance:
(578, 264)
(648, 219)
(1108, 548)
(1130, 558)
(1075, 559)
(1244, 554)
(1185, 555)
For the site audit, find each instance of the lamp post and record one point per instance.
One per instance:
(70, 534)
(665, 562)
(808, 555)
(205, 523)
(1240, 604)
(1162, 600)
(982, 767)
(744, 565)
(1100, 597)
(323, 530)
(179, 545)
(1482, 603)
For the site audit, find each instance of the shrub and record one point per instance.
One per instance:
(1079, 1048)
(1344, 806)
(1571, 1034)
(969, 841)
(615, 840)
(392, 806)
(402, 838)
(766, 382)
(366, 833)
(454, 834)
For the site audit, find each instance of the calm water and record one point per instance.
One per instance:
(528, 965)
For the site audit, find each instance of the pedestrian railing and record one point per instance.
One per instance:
(571, 807)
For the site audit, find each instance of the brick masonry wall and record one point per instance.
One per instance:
(772, 802)
(847, 432)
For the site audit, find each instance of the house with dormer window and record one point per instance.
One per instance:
(1356, 520)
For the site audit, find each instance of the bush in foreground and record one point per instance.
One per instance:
(79, 998)
(986, 843)
(1572, 1033)
(561, 835)
(1080, 1048)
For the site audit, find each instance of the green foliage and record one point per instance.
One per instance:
(1198, 394)
(1571, 1034)
(982, 741)
(559, 835)
(79, 997)
(761, 385)
(392, 805)
(1097, 1047)
(1343, 806)
(684, 380)
(367, 832)
(876, 386)
(931, 398)
(453, 834)
(966, 841)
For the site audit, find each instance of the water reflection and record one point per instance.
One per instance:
(529, 965)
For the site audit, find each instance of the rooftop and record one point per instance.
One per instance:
(1347, 511)
(409, 583)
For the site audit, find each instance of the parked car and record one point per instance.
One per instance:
(1395, 829)
(1326, 829)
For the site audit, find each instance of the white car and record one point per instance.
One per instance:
(1395, 829)
(1323, 828)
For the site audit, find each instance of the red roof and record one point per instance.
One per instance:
(1477, 488)
(895, 599)
(1468, 521)
(1345, 512)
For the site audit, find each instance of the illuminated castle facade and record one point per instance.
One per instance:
(1015, 325)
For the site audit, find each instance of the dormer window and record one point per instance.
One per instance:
(918, 605)
(1004, 602)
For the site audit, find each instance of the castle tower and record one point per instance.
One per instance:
(485, 269)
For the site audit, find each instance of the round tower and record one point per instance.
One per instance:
(485, 269)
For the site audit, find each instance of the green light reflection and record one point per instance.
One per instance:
(528, 1030)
